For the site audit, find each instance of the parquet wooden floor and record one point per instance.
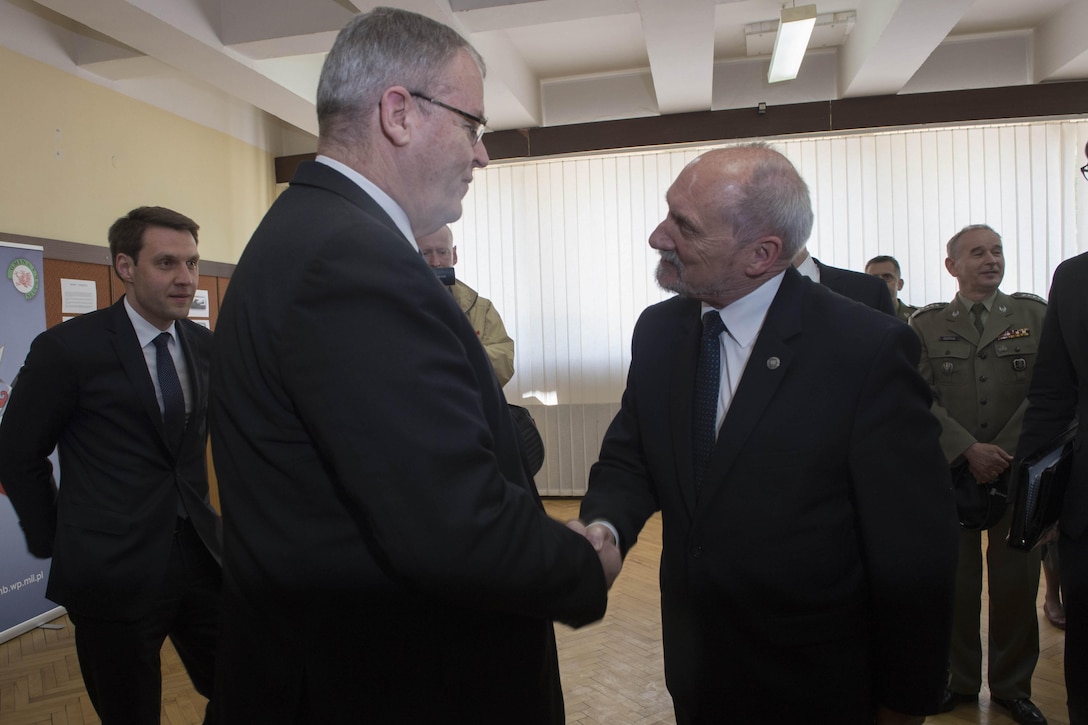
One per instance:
(612, 670)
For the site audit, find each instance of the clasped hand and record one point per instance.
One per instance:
(605, 546)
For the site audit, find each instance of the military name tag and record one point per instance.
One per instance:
(948, 338)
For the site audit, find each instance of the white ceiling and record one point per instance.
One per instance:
(550, 62)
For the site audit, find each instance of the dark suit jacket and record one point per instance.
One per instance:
(387, 558)
(1057, 393)
(813, 575)
(85, 388)
(857, 286)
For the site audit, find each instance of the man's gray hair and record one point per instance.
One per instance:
(775, 201)
(374, 51)
(948, 248)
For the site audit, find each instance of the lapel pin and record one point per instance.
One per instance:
(1003, 308)
(955, 313)
(773, 363)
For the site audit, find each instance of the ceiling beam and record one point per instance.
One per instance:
(680, 45)
(178, 33)
(891, 41)
(1061, 45)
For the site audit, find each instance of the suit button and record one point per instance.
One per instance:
(982, 402)
(982, 378)
(696, 552)
(985, 425)
(982, 356)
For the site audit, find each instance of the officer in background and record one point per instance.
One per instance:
(887, 268)
(978, 352)
(440, 251)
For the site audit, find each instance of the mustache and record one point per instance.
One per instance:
(672, 258)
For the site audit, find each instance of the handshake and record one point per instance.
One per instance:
(605, 544)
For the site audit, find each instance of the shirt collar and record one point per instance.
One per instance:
(744, 318)
(145, 331)
(810, 269)
(390, 207)
(988, 302)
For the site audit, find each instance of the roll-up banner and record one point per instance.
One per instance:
(23, 605)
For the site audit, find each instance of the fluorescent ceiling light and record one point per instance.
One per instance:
(791, 42)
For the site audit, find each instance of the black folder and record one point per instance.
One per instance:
(1039, 489)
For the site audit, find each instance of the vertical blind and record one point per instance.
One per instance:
(560, 245)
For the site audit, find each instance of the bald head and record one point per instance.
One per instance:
(438, 249)
(736, 218)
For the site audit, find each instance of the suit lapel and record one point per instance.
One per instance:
(959, 320)
(685, 356)
(198, 391)
(998, 320)
(127, 347)
(767, 367)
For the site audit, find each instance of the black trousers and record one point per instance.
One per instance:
(1073, 554)
(120, 659)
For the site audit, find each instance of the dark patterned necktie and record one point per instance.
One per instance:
(708, 378)
(173, 400)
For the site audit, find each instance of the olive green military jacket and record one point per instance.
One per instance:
(903, 311)
(980, 383)
(489, 328)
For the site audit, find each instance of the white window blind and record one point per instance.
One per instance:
(560, 245)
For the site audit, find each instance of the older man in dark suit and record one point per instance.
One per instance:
(808, 554)
(122, 393)
(387, 558)
(1057, 397)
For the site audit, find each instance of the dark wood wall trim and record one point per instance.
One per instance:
(1069, 99)
(94, 254)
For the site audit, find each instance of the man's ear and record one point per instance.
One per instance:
(123, 264)
(763, 256)
(900, 287)
(454, 257)
(950, 265)
(394, 115)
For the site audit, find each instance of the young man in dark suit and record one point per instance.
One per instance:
(134, 540)
(809, 529)
(1056, 397)
(387, 558)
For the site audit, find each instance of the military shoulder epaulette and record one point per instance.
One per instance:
(930, 308)
(1027, 296)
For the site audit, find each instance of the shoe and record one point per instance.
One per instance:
(1058, 622)
(1022, 710)
(951, 699)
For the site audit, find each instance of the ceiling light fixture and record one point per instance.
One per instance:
(790, 42)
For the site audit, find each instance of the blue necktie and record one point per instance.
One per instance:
(708, 378)
(173, 400)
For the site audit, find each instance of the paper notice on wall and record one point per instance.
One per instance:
(78, 296)
(199, 306)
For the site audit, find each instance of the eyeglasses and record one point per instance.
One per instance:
(480, 123)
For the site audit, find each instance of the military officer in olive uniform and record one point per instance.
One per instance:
(887, 268)
(978, 352)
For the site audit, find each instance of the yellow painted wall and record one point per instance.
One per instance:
(74, 156)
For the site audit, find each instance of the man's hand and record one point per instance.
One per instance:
(604, 544)
(987, 461)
